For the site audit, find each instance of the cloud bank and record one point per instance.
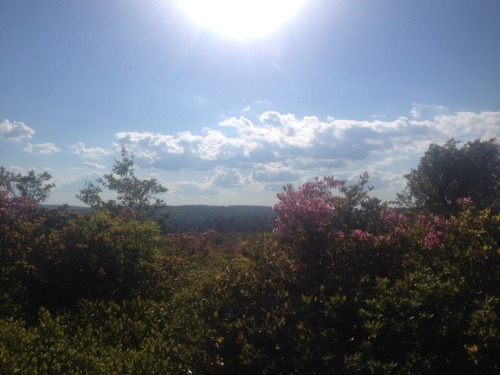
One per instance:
(284, 143)
(15, 131)
(275, 148)
(250, 158)
(89, 153)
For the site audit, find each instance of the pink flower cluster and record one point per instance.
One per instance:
(464, 202)
(306, 209)
(12, 203)
(308, 212)
(433, 221)
(396, 222)
(434, 227)
(390, 217)
(360, 235)
(294, 267)
(432, 239)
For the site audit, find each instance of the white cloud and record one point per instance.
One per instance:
(94, 165)
(89, 153)
(228, 178)
(41, 148)
(166, 143)
(467, 125)
(278, 148)
(15, 131)
(420, 110)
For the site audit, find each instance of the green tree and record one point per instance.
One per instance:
(447, 173)
(31, 185)
(138, 195)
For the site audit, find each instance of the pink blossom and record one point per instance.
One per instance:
(399, 230)
(306, 209)
(433, 238)
(360, 235)
(13, 203)
(421, 220)
(433, 221)
(389, 216)
(294, 268)
(464, 201)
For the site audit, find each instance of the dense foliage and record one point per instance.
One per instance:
(345, 284)
(446, 173)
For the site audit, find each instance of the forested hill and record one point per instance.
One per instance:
(223, 219)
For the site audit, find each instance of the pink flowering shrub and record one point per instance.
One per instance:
(390, 217)
(306, 222)
(433, 229)
(321, 222)
(423, 229)
(14, 213)
(318, 228)
(15, 203)
(360, 235)
(308, 209)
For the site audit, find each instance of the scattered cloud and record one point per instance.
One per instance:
(94, 165)
(89, 153)
(420, 111)
(15, 131)
(41, 148)
(256, 104)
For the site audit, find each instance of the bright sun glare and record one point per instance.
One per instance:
(240, 19)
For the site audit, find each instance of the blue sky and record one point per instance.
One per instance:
(341, 87)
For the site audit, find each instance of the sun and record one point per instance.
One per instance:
(241, 19)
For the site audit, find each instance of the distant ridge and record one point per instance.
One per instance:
(56, 206)
(223, 219)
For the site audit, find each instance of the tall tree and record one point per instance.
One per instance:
(131, 193)
(31, 185)
(447, 173)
